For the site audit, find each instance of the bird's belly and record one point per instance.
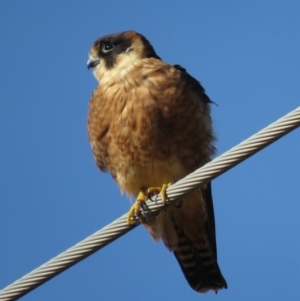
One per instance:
(152, 173)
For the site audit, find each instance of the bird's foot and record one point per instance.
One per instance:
(158, 190)
(138, 209)
(135, 210)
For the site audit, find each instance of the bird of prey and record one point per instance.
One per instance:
(149, 125)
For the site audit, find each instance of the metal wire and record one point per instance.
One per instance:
(119, 227)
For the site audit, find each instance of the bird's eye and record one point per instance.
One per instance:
(107, 47)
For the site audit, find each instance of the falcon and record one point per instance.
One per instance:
(149, 125)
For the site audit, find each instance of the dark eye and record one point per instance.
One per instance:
(107, 47)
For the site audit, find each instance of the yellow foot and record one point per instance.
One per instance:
(135, 210)
(156, 190)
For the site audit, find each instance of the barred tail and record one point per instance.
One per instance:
(199, 264)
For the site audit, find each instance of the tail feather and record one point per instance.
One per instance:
(198, 264)
(196, 251)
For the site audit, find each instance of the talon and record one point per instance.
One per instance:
(156, 190)
(135, 210)
(153, 191)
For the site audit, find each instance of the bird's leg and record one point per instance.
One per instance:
(135, 210)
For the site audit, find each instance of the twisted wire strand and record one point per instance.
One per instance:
(119, 227)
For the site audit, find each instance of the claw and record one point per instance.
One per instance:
(135, 209)
(156, 190)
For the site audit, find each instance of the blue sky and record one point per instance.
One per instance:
(247, 56)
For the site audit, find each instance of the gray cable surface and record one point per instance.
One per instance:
(119, 227)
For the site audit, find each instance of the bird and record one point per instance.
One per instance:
(149, 125)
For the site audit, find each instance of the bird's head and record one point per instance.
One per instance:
(118, 51)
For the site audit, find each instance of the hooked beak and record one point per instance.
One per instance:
(93, 61)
